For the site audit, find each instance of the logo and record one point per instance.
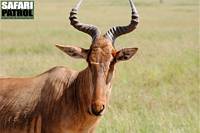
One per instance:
(17, 9)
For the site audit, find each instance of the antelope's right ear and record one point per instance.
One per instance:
(73, 51)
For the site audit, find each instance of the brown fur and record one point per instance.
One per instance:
(57, 100)
(51, 97)
(61, 100)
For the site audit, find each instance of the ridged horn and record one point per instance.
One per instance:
(117, 31)
(92, 30)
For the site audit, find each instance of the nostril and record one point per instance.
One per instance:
(97, 109)
(102, 108)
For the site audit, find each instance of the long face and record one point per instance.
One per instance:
(101, 64)
(101, 59)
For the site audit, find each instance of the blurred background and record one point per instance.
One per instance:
(156, 92)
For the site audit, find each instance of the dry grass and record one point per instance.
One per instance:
(156, 92)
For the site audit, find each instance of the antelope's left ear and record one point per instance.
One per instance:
(125, 54)
(73, 51)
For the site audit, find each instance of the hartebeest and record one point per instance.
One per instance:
(62, 100)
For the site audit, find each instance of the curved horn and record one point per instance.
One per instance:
(92, 30)
(117, 31)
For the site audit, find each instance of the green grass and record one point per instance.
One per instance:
(156, 92)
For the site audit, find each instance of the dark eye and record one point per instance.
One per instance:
(109, 76)
(110, 72)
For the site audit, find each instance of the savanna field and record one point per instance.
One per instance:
(155, 92)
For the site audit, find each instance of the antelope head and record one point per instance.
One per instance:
(101, 56)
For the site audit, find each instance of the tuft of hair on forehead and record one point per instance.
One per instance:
(101, 42)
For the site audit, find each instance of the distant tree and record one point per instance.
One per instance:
(161, 1)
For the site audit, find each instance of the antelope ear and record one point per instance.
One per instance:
(73, 51)
(125, 54)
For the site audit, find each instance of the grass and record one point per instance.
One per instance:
(156, 92)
